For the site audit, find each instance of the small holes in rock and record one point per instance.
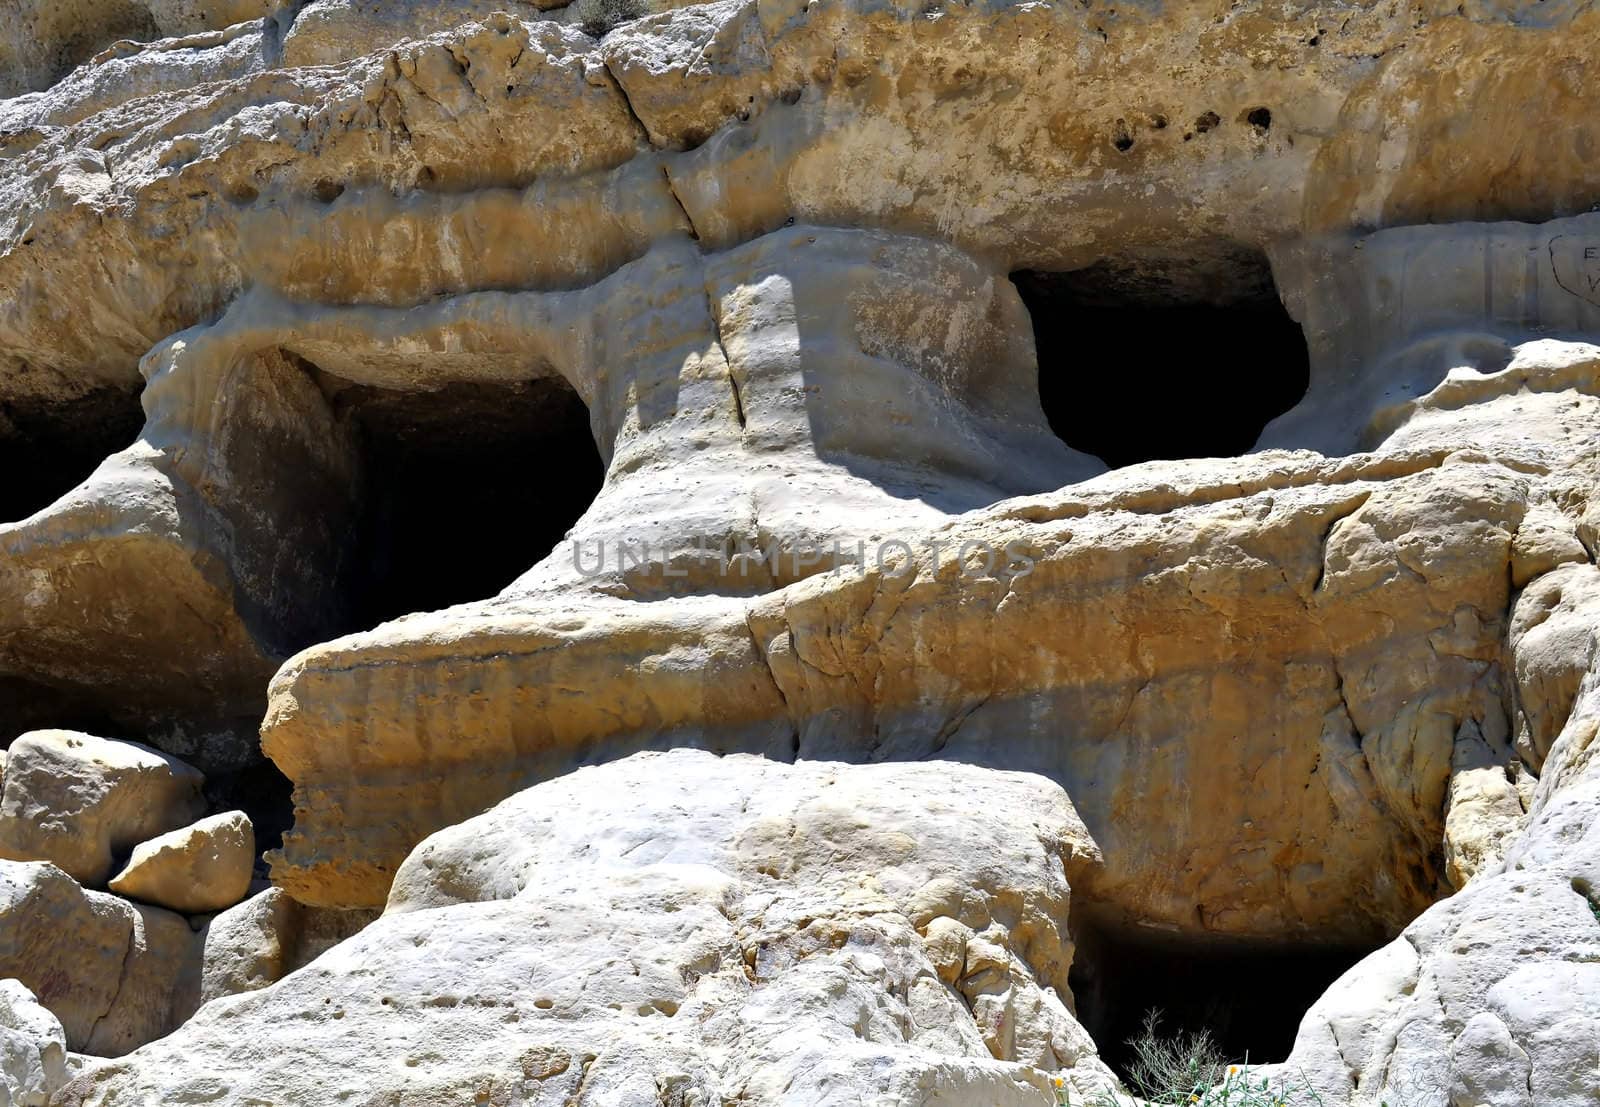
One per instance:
(1122, 137)
(1260, 119)
(327, 191)
(1207, 123)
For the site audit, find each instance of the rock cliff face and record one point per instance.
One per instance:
(638, 471)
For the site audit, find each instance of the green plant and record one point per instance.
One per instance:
(1188, 1070)
(1586, 890)
(1173, 1069)
(597, 17)
(1238, 1086)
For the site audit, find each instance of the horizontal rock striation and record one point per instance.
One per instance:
(1010, 132)
(1331, 694)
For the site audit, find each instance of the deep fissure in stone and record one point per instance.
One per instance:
(1162, 359)
(464, 489)
(47, 449)
(1249, 996)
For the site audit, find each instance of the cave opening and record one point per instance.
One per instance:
(1164, 358)
(464, 489)
(1248, 996)
(47, 449)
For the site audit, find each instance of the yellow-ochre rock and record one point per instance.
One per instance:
(200, 868)
(780, 552)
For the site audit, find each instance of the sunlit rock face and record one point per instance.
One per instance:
(964, 523)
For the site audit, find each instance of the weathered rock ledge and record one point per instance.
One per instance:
(1335, 694)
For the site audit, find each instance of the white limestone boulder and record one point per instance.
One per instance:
(79, 801)
(682, 928)
(113, 972)
(33, 1048)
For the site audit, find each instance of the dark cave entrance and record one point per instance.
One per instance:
(1248, 996)
(1156, 361)
(464, 489)
(47, 449)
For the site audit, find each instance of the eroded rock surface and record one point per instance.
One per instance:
(83, 802)
(111, 971)
(818, 932)
(1493, 996)
(33, 1048)
(200, 868)
(1324, 694)
(513, 153)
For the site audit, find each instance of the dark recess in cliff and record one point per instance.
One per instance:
(1147, 361)
(48, 449)
(1248, 996)
(465, 489)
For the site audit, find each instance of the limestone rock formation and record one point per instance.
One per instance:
(793, 941)
(262, 940)
(455, 404)
(41, 40)
(111, 971)
(1492, 996)
(118, 974)
(203, 867)
(507, 152)
(81, 802)
(33, 1049)
(248, 946)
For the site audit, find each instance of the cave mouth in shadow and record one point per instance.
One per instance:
(1248, 996)
(464, 489)
(47, 449)
(1142, 361)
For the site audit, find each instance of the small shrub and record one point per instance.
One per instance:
(1238, 1086)
(1188, 1070)
(1170, 1070)
(597, 17)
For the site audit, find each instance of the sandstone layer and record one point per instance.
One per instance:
(511, 152)
(258, 259)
